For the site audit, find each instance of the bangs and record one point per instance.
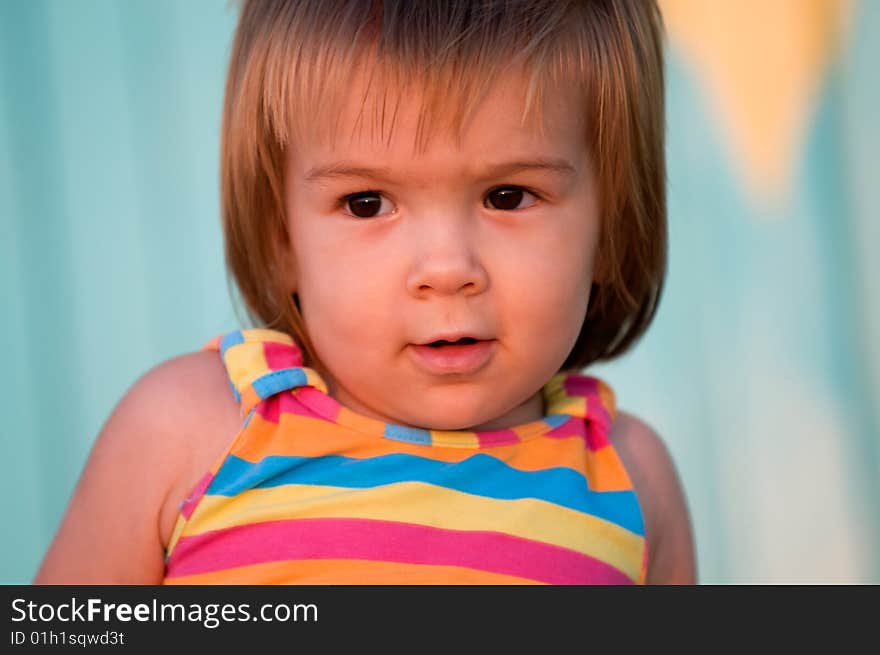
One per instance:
(448, 53)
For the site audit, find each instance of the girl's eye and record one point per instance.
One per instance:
(366, 204)
(509, 198)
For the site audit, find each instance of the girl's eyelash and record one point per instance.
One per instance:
(344, 200)
(513, 187)
(517, 187)
(366, 192)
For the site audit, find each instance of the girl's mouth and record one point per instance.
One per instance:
(463, 356)
(464, 341)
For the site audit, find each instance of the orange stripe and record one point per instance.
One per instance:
(213, 344)
(606, 397)
(249, 399)
(605, 471)
(342, 571)
(317, 437)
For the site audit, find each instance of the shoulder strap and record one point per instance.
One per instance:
(584, 396)
(261, 363)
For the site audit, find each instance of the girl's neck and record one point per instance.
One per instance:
(532, 409)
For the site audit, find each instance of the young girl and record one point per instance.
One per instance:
(440, 213)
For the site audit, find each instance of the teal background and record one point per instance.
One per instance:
(760, 371)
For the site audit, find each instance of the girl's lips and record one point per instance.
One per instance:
(453, 358)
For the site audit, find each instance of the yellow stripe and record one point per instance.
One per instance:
(572, 405)
(315, 380)
(344, 571)
(424, 504)
(244, 364)
(179, 524)
(458, 439)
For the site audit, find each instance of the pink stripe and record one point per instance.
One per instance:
(598, 424)
(189, 503)
(288, 403)
(497, 437)
(270, 408)
(592, 432)
(319, 402)
(597, 412)
(281, 355)
(597, 439)
(573, 427)
(390, 542)
(581, 385)
(597, 419)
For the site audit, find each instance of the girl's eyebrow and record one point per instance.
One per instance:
(344, 169)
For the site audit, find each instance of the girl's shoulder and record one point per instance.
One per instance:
(654, 477)
(189, 407)
(160, 438)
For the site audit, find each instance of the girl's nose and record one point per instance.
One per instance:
(446, 261)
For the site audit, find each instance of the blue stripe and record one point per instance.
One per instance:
(409, 435)
(281, 380)
(235, 392)
(481, 475)
(555, 420)
(420, 436)
(231, 339)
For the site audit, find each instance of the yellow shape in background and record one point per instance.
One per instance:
(762, 62)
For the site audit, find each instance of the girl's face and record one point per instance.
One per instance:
(491, 240)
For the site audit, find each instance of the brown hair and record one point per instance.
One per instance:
(291, 57)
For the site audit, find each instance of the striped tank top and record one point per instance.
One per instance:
(310, 492)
